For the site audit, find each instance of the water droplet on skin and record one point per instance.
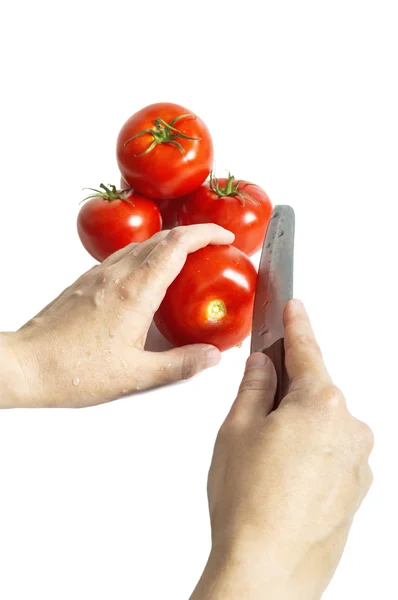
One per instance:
(263, 330)
(117, 281)
(135, 252)
(169, 365)
(119, 315)
(112, 334)
(125, 365)
(75, 381)
(99, 297)
(78, 293)
(125, 391)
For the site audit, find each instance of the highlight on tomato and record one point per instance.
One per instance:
(164, 151)
(110, 219)
(240, 206)
(211, 300)
(169, 208)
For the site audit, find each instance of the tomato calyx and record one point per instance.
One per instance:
(164, 133)
(231, 188)
(109, 193)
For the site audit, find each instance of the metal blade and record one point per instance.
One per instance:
(274, 289)
(275, 280)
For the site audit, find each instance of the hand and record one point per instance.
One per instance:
(87, 346)
(284, 486)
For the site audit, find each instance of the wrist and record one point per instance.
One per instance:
(233, 576)
(16, 385)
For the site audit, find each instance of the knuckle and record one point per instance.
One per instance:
(103, 273)
(188, 366)
(255, 384)
(176, 236)
(234, 424)
(332, 397)
(129, 284)
(366, 436)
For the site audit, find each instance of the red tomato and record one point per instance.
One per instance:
(168, 208)
(110, 220)
(211, 300)
(241, 207)
(164, 151)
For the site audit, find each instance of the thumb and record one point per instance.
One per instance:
(256, 394)
(179, 363)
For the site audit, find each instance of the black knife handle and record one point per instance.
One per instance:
(276, 353)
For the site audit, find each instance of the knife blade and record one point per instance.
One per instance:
(274, 289)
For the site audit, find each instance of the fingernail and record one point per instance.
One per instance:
(297, 304)
(256, 360)
(213, 357)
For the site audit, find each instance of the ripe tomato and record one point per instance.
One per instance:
(168, 208)
(240, 206)
(211, 300)
(164, 151)
(110, 220)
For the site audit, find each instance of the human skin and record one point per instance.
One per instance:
(284, 486)
(87, 346)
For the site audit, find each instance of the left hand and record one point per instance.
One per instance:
(87, 346)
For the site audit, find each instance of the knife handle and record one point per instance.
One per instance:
(276, 353)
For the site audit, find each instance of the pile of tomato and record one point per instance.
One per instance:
(165, 157)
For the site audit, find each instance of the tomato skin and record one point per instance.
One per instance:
(248, 220)
(164, 172)
(168, 208)
(214, 273)
(106, 226)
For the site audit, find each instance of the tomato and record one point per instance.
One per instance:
(240, 206)
(168, 208)
(164, 151)
(211, 300)
(111, 219)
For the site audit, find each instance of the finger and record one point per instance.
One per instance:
(256, 394)
(366, 479)
(138, 251)
(302, 354)
(179, 363)
(166, 260)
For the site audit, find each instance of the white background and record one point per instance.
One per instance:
(301, 97)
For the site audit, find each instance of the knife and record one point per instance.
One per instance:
(274, 289)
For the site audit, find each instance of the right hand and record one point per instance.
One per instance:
(284, 486)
